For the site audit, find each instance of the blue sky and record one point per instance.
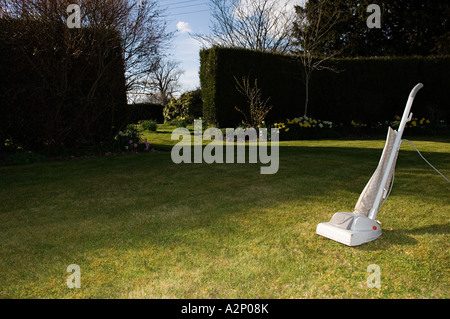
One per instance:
(184, 17)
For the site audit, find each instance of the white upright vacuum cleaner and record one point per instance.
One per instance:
(361, 226)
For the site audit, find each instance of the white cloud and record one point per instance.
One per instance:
(184, 27)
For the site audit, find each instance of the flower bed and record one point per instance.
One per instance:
(305, 127)
(302, 128)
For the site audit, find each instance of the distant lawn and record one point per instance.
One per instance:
(140, 226)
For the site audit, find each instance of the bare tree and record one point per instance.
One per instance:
(310, 28)
(263, 25)
(163, 81)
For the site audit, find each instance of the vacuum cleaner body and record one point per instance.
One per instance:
(361, 226)
(350, 229)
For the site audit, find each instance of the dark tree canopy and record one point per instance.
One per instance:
(408, 27)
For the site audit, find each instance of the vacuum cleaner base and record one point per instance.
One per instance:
(350, 229)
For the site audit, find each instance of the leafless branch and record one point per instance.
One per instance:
(263, 25)
(258, 108)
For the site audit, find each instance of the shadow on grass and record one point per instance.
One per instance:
(403, 236)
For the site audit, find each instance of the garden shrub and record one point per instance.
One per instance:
(257, 109)
(130, 140)
(179, 122)
(149, 125)
(188, 105)
(172, 110)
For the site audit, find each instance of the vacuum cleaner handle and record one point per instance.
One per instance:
(415, 90)
(395, 148)
(406, 114)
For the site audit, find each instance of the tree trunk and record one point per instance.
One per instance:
(306, 94)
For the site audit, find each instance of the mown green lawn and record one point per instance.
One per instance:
(140, 226)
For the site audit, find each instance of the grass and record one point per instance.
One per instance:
(140, 226)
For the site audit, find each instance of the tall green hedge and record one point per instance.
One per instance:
(208, 68)
(364, 89)
(278, 76)
(146, 111)
(60, 87)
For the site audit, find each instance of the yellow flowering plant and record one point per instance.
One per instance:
(303, 128)
(416, 122)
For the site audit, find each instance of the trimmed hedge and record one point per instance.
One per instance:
(60, 88)
(278, 77)
(208, 74)
(146, 111)
(367, 90)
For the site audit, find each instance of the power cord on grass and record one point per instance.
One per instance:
(393, 173)
(426, 160)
